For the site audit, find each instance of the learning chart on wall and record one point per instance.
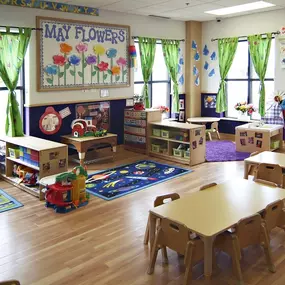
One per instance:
(81, 55)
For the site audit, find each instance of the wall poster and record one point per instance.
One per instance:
(81, 55)
(96, 114)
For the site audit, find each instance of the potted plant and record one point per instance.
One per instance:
(138, 102)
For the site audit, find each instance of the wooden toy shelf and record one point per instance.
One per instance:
(135, 128)
(52, 159)
(166, 136)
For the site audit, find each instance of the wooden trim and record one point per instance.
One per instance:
(39, 33)
(76, 102)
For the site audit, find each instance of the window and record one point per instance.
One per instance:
(159, 84)
(242, 81)
(20, 91)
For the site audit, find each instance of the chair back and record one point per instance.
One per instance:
(10, 282)
(254, 153)
(270, 172)
(267, 183)
(208, 186)
(174, 235)
(272, 214)
(214, 126)
(161, 200)
(248, 231)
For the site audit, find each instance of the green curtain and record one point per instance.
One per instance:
(170, 52)
(13, 47)
(147, 52)
(259, 48)
(227, 50)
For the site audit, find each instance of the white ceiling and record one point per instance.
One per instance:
(174, 9)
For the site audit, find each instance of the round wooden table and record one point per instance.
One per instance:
(203, 120)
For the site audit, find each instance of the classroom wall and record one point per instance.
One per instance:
(240, 26)
(140, 26)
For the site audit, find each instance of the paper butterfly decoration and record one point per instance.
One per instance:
(181, 80)
(206, 50)
(197, 56)
(206, 65)
(197, 81)
(213, 56)
(195, 70)
(194, 45)
(212, 73)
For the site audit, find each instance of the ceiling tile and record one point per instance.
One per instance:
(92, 3)
(125, 5)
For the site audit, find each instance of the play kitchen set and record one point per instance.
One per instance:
(177, 142)
(258, 137)
(28, 159)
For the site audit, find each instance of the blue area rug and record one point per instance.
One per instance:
(125, 179)
(7, 202)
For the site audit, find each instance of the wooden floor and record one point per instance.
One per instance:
(102, 243)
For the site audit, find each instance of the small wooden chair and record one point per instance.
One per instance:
(274, 216)
(214, 129)
(204, 187)
(253, 168)
(177, 237)
(267, 183)
(10, 282)
(270, 172)
(160, 200)
(249, 231)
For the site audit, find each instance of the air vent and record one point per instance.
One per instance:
(161, 17)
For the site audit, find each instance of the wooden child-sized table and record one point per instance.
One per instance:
(264, 157)
(212, 211)
(84, 143)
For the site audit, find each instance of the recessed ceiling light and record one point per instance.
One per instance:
(241, 8)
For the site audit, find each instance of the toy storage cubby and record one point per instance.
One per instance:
(30, 156)
(185, 142)
(252, 137)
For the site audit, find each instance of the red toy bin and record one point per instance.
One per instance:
(36, 154)
(35, 157)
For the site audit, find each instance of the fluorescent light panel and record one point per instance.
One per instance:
(241, 8)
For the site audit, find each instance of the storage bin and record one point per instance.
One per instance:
(34, 157)
(165, 134)
(155, 147)
(164, 150)
(187, 153)
(34, 153)
(14, 152)
(275, 144)
(156, 132)
(27, 155)
(178, 152)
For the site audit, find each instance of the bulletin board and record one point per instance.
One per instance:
(81, 55)
(97, 113)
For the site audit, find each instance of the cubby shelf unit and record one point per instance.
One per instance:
(194, 140)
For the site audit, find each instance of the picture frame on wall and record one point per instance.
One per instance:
(78, 55)
(181, 117)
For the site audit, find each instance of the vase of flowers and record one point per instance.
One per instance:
(164, 112)
(242, 109)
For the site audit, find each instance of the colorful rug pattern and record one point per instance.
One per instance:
(223, 151)
(7, 202)
(125, 179)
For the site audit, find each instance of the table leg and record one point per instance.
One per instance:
(208, 258)
(246, 167)
(152, 229)
(81, 157)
